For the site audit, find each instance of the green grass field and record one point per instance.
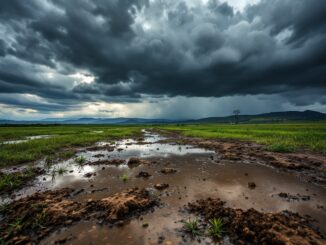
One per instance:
(277, 137)
(64, 138)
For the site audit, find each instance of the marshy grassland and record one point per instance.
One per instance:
(62, 140)
(281, 137)
(287, 137)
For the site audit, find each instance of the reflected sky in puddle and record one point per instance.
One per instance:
(147, 148)
(123, 149)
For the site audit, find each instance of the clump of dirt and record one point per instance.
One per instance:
(134, 162)
(143, 174)
(30, 219)
(168, 170)
(99, 155)
(289, 197)
(89, 175)
(161, 186)
(108, 162)
(254, 227)
(122, 205)
(251, 185)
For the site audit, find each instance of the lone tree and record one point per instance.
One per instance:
(236, 115)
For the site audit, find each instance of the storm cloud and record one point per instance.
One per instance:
(56, 55)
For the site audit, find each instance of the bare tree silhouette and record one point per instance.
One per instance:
(236, 116)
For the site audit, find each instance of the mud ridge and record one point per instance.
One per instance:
(254, 227)
(32, 218)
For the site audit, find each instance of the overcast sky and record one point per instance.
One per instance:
(160, 58)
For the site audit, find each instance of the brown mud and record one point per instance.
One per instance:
(251, 189)
(254, 227)
(32, 218)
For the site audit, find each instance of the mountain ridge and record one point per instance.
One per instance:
(308, 115)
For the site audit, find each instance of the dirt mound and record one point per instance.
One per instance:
(134, 162)
(107, 162)
(168, 170)
(122, 205)
(32, 218)
(253, 227)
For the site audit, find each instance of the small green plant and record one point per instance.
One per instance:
(80, 160)
(3, 242)
(4, 208)
(124, 177)
(62, 170)
(192, 226)
(48, 162)
(216, 227)
(39, 220)
(17, 225)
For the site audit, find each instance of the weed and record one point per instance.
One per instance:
(17, 225)
(12, 181)
(62, 170)
(48, 162)
(80, 160)
(40, 219)
(3, 242)
(192, 226)
(4, 208)
(124, 177)
(216, 227)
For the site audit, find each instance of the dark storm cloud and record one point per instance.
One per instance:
(161, 48)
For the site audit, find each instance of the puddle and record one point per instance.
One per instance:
(198, 176)
(26, 139)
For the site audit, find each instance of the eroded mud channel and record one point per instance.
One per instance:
(142, 191)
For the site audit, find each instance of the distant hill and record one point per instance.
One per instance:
(259, 118)
(267, 117)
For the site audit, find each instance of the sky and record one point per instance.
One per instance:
(160, 58)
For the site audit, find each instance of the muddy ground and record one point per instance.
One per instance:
(142, 191)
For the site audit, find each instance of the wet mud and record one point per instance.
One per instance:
(310, 167)
(254, 227)
(134, 192)
(32, 218)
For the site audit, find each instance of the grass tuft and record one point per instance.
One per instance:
(216, 227)
(124, 177)
(80, 160)
(192, 226)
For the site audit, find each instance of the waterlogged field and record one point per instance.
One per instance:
(277, 137)
(19, 145)
(95, 184)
